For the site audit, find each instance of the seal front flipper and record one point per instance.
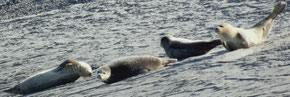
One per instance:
(245, 43)
(61, 66)
(140, 71)
(66, 63)
(228, 47)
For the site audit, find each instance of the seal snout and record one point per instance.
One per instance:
(216, 30)
(104, 73)
(99, 76)
(165, 40)
(90, 74)
(222, 27)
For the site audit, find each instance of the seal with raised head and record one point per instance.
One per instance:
(126, 67)
(234, 38)
(67, 72)
(183, 48)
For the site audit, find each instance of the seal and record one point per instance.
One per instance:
(67, 72)
(126, 67)
(183, 48)
(234, 38)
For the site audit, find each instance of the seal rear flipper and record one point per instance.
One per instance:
(167, 61)
(277, 10)
(15, 90)
(265, 25)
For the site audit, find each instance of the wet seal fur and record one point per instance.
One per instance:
(67, 72)
(183, 48)
(235, 38)
(126, 67)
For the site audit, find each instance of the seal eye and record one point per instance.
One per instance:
(221, 26)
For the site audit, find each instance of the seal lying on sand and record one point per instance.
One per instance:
(130, 66)
(66, 72)
(183, 48)
(235, 38)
